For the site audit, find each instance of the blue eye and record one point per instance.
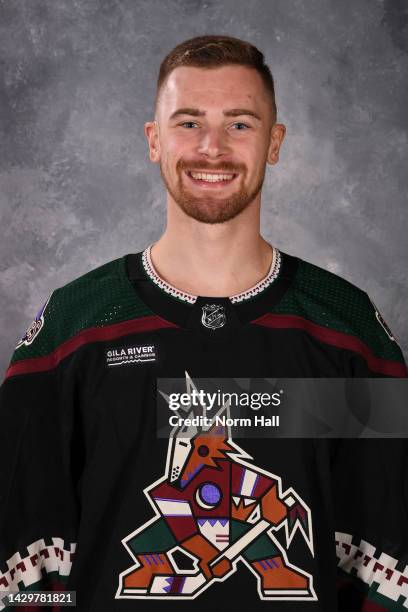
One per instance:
(240, 123)
(188, 123)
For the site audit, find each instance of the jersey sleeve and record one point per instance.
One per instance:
(370, 481)
(370, 492)
(377, 352)
(39, 506)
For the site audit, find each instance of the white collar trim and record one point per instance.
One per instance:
(191, 299)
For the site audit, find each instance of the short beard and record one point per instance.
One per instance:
(207, 209)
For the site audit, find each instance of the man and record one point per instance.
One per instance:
(94, 499)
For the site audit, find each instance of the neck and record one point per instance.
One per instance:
(218, 260)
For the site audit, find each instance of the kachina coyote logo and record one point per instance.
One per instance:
(214, 508)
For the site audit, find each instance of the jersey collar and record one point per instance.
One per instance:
(193, 315)
(255, 290)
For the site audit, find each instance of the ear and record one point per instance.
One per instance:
(278, 131)
(219, 429)
(151, 130)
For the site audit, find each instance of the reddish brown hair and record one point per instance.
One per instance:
(214, 51)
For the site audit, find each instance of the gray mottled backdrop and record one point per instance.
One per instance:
(76, 186)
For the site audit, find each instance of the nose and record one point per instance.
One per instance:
(213, 143)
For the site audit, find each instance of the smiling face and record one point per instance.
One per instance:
(213, 136)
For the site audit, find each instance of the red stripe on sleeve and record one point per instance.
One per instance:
(92, 334)
(335, 338)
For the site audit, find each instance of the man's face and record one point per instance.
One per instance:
(213, 136)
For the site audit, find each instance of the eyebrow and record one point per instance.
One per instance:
(232, 112)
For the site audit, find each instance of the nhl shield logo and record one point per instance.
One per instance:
(213, 316)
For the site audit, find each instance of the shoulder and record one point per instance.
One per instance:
(95, 300)
(338, 312)
(327, 296)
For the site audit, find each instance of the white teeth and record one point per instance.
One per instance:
(212, 178)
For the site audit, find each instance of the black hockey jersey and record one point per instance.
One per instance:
(92, 500)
